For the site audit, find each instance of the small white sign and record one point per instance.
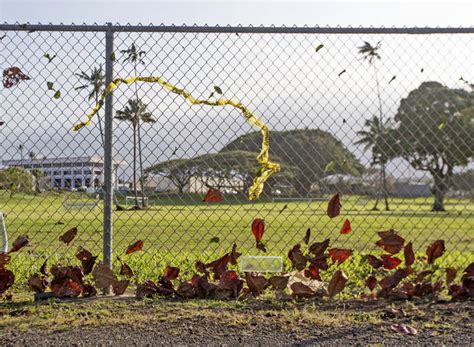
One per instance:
(255, 263)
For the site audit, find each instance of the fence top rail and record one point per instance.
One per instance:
(236, 29)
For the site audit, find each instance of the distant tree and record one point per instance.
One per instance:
(95, 82)
(134, 113)
(178, 171)
(32, 155)
(309, 151)
(436, 133)
(15, 180)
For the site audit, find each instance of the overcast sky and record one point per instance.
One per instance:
(280, 77)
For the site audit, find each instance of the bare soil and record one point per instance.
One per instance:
(128, 321)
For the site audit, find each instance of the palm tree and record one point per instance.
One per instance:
(32, 155)
(376, 139)
(370, 53)
(136, 112)
(135, 56)
(95, 81)
(21, 147)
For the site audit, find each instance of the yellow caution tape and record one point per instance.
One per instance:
(267, 167)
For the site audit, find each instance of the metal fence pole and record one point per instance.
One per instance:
(108, 150)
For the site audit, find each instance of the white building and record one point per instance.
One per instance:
(69, 173)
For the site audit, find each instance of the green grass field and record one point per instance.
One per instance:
(178, 230)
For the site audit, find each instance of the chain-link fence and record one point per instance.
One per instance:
(382, 116)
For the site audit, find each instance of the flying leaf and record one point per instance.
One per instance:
(171, 273)
(391, 242)
(435, 251)
(392, 79)
(112, 56)
(126, 270)
(49, 57)
(371, 282)
(330, 166)
(300, 290)
(409, 254)
(422, 69)
(374, 261)
(7, 278)
(441, 126)
(103, 276)
(404, 329)
(119, 287)
(340, 73)
(87, 260)
(312, 272)
(12, 76)
(135, 247)
(298, 260)
(450, 274)
(57, 95)
(318, 248)
(346, 227)
(68, 236)
(319, 47)
(389, 262)
(19, 243)
(256, 283)
(218, 90)
(339, 255)
(337, 283)
(213, 195)
(214, 239)
(307, 236)
(50, 85)
(393, 280)
(334, 206)
(258, 228)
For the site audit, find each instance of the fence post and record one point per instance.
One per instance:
(108, 149)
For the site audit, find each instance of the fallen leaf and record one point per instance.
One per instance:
(186, 290)
(409, 254)
(391, 242)
(88, 290)
(103, 276)
(334, 206)
(307, 236)
(298, 260)
(346, 227)
(43, 269)
(435, 250)
(371, 282)
(171, 273)
(37, 283)
(393, 280)
(219, 266)
(389, 262)
(119, 287)
(318, 248)
(374, 261)
(278, 282)
(337, 283)
(450, 274)
(258, 228)
(12, 76)
(214, 239)
(300, 290)
(126, 270)
(231, 281)
(68, 236)
(135, 247)
(312, 272)
(256, 283)
(234, 255)
(7, 278)
(404, 329)
(339, 255)
(213, 195)
(19, 243)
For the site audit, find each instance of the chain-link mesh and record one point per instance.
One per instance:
(316, 93)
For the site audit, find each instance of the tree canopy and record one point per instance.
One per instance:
(309, 151)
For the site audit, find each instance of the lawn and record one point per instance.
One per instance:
(178, 229)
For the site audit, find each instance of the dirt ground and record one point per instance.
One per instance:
(125, 321)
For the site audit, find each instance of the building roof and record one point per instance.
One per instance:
(59, 161)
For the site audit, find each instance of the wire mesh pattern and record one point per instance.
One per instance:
(332, 108)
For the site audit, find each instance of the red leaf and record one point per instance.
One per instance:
(135, 247)
(393, 280)
(298, 260)
(409, 254)
(219, 266)
(171, 273)
(87, 260)
(256, 283)
(450, 274)
(126, 270)
(7, 278)
(307, 236)
(371, 282)
(230, 281)
(300, 290)
(318, 248)
(213, 195)
(346, 227)
(435, 251)
(37, 283)
(389, 262)
(321, 262)
(339, 255)
(66, 288)
(4, 260)
(68, 236)
(312, 272)
(374, 261)
(404, 329)
(234, 255)
(12, 76)
(391, 242)
(258, 227)
(202, 287)
(334, 206)
(337, 283)
(19, 243)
